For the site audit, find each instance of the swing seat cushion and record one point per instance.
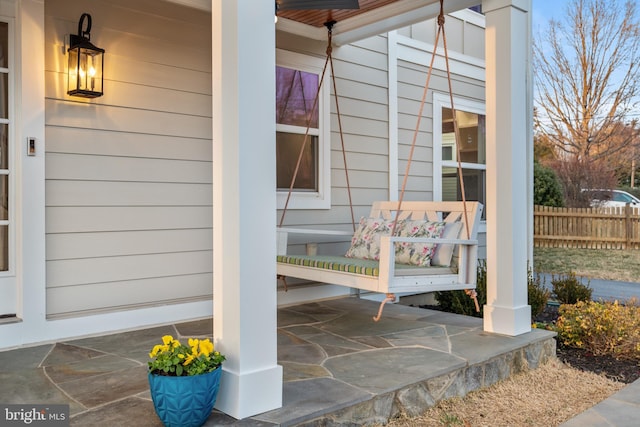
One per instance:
(365, 267)
(365, 243)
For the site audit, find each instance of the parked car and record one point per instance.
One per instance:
(611, 198)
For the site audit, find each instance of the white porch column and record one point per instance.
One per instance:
(244, 206)
(508, 83)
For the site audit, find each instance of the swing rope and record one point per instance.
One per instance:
(328, 62)
(441, 31)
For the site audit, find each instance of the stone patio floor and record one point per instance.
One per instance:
(340, 367)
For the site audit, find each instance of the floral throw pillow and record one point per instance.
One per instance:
(419, 254)
(365, 243)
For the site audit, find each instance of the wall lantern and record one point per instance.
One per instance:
(86, 63)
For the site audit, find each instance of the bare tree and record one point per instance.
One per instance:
(587, 77)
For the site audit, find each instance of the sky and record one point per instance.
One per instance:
(543, 10)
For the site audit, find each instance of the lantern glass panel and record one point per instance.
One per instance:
(90, 72)
(73, 70)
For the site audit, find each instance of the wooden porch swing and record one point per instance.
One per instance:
(421, 245)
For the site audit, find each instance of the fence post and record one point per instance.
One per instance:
(627, 223)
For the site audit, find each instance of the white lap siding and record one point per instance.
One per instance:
(128, 175)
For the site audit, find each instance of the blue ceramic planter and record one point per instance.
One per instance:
(184, 401)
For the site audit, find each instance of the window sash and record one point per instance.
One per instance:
(442, 177)
(321, 197)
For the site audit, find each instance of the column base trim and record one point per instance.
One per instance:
(243, 395)
(510, 321)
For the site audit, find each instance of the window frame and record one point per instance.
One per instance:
(11, 149)
(320, 199)
(441, 100)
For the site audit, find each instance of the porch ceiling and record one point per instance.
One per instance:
(372, 18)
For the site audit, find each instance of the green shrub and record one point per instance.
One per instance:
(547, 190)
(538, 294)
(607, 328)
(568, 289)
(459, 302)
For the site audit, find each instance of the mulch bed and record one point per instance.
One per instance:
(624, 371)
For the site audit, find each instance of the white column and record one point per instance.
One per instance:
(508, 47)
(244, 206)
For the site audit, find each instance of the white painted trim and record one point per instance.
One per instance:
(474, 166)
(30, 178)
(442, 100)
(391, 17)
(300, 29)
(392, 73)
(468, 15)
(29, 333)
(322, 198)
(8, 278)
(304, 294)
(396, 15)
(413, 51)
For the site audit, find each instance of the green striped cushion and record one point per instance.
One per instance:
(366, 267)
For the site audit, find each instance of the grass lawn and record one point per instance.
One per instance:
(607, 264)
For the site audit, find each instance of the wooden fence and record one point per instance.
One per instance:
(594, 228)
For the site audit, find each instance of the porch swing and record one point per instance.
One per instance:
(403, 246)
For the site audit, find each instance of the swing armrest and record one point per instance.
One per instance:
(286, 236)
(466, 261)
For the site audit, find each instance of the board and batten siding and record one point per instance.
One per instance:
(128, 175)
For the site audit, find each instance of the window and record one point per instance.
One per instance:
(471, 124)
(4, 148)
(297, 83)
(8, 287)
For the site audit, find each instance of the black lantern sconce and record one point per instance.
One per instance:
(86, 63)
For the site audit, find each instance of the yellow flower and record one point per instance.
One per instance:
(155, 351)
(193, 343)
(179, 359)
(189, 359)
(206, 347)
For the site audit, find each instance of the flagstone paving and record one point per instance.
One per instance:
(340, 367)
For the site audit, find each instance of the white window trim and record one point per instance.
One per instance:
(441, 100)
(320, 199)
(12, 149)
